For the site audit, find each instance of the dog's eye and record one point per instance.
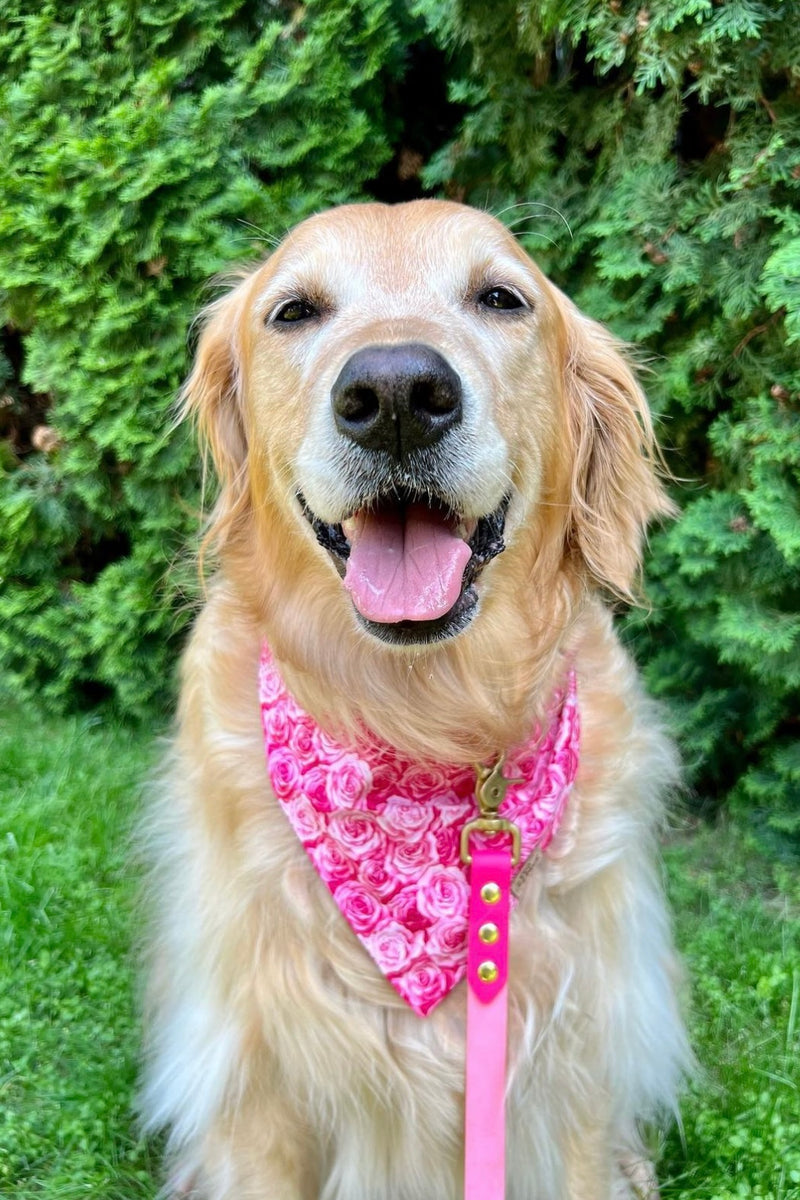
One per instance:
(500, 297)
(294, 311)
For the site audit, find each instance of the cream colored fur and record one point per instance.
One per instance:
(282, 1064)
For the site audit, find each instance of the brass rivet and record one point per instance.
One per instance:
(490, 893)
(489, 933)
(488, 972)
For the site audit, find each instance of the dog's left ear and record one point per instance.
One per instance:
(616, 487)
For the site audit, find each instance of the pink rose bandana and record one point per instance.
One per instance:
(383, 831)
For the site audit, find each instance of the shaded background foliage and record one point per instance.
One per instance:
(647, 154)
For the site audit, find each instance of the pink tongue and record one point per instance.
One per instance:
(404, 566)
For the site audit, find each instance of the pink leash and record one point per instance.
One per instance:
(487, 1013)
(487, 990)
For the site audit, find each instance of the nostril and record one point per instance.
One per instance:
(433, 398)
(358, 404)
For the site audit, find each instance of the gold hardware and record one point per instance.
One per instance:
(491, 787)
(488, 972)
(490, 893)
(490, 825)
(489, 933)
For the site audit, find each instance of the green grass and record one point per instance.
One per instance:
(738, 922)
(67, 983)
(68, 798)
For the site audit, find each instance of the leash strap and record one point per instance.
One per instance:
(487, 1022)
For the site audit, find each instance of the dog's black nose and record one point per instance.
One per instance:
(396, 398)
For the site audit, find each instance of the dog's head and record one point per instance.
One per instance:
(408, 421)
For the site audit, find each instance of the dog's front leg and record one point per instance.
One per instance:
(255, 1153)
(588, 1164)
(596, 1172)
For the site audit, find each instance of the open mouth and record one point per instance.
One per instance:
(410, 564)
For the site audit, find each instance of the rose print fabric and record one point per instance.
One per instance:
(383, 831)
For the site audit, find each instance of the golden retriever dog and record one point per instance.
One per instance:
(434, 473)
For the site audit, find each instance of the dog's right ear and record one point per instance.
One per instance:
(212, 399)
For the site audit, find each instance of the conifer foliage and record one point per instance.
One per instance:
(146, 146)
(657, 146)
(647, 154)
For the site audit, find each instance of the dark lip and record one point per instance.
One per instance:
(486, 543)
(424, 633)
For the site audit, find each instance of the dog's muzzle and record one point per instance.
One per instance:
(408, 558)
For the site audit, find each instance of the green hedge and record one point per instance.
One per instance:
(647, 154)
(146, 147)
(665, 136)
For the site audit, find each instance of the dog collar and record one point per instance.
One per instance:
(384, 832)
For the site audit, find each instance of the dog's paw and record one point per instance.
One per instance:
(640, 1179)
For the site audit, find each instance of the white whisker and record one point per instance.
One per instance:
(271, 239)
(529, 204)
